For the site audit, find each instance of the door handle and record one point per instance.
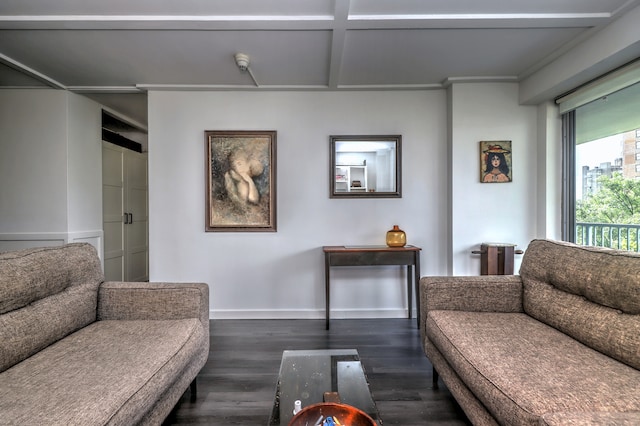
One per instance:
(128, 218)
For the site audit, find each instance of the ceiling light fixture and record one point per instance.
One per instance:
(242, 61)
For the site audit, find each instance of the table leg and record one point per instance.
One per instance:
(508, 260)
(327, 287)
(409, 291)
(492, 260)
(416, 283)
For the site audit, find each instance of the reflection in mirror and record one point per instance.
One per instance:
(366, 166)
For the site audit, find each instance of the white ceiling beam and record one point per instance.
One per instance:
(223, 87)
(478, 16)
(624, 8)
(439, 21)
(104, 89)
(360, 87)
(164, 22)
(338, 37)
(313, 22)
(31, 72)
(476, 79)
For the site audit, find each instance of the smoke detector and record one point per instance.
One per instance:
(242, 61)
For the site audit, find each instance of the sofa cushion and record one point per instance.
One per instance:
(603, 276)
(45, 294)
(607, 330)
(110, 372)
(597, 305)
(521, 369)
(33, 274)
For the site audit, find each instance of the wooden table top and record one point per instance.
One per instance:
(361, 248)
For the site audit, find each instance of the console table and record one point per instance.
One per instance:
(373, 255)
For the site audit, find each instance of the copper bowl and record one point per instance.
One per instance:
(345, 414)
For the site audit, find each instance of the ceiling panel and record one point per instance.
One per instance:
(428, 56)
(120, 58)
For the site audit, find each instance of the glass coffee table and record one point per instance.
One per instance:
(307, 375)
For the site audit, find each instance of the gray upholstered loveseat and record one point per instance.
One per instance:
(75, 350)
(557, 345)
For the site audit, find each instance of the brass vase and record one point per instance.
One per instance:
(396, 237)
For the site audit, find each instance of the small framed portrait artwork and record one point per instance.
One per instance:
(495, 162)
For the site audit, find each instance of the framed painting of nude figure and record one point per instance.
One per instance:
(495, 161)
(240, 181)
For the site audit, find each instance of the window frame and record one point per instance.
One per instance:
(568, 210)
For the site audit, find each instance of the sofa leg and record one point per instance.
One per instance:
(434, 382)
(194, 390)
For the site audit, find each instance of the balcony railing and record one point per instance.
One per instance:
(612, 235)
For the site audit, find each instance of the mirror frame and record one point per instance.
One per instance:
(397, 139)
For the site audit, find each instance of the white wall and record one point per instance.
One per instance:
(281, 274)
(50, 169)
(84, 175)
(490, 212)
(549, 172)
(33, 161)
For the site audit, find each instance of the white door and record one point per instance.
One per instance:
(113, 211)
(136, 230)
(125, 214)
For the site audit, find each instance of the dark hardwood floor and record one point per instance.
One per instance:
(237, 385)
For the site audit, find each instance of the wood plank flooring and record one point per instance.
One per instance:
(237, 385)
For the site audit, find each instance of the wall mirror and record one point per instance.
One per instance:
(366, 166)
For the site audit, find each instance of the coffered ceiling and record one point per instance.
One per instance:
(115, 47)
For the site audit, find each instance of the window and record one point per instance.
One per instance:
(601, 164)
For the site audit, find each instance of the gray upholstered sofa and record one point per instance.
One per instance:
(75, 350)
(558, 344)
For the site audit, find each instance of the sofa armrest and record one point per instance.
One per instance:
(153, 301)
(485, 293)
